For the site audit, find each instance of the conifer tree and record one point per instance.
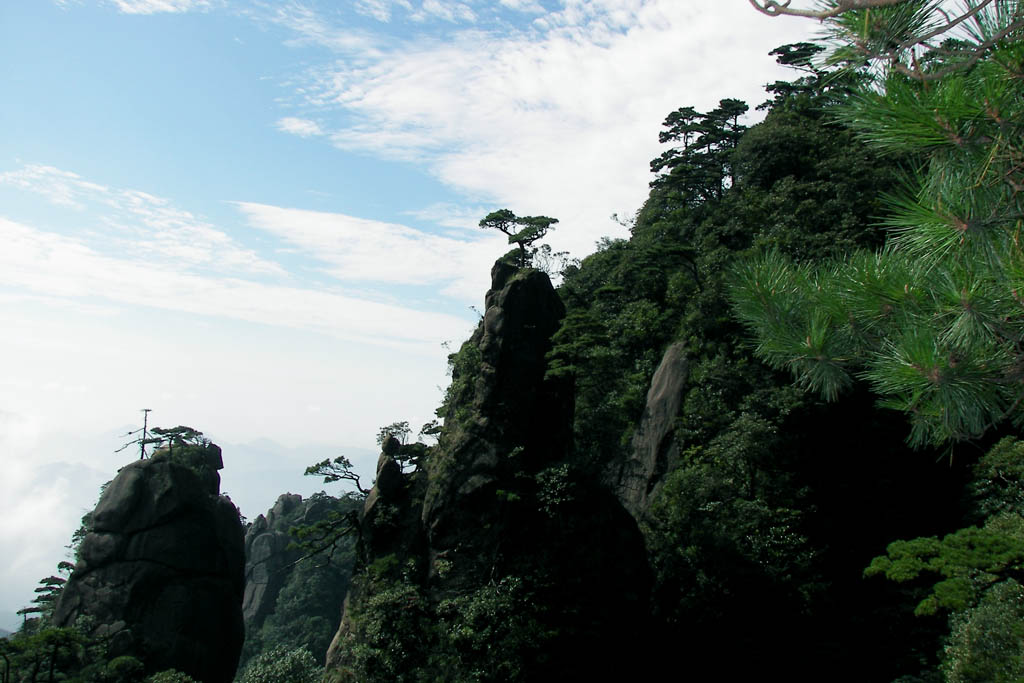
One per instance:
(935, 320)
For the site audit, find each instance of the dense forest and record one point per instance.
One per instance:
(771, 433)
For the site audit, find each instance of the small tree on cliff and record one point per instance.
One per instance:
(522, 231)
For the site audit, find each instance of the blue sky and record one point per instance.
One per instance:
(258, 218)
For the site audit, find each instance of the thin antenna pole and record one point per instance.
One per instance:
(145, 424)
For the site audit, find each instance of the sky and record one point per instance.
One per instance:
(258, 218)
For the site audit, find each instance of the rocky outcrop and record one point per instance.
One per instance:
(507, 421)
(266, 556)
(654, 450)
(161, 570)
(499, 503)
(270, 552)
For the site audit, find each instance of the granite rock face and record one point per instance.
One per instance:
(266, 555)
(508, 419)
(654, 450)
(161, 570)
(499, 499)
(270, 553)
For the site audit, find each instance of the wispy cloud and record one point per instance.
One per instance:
(453, 215)
(454, 12)
(523, 6)
(378, 9)
(560, 117)
(149, 227)
(301, 127)
(359, 250)
(160, 6)
(313, 29)
(50, 264)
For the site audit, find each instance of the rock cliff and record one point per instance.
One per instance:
(267, 554)
(500, 559)
(653, 450)
(161, 570)
(290, 601)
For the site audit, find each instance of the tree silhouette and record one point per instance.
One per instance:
(522, 231)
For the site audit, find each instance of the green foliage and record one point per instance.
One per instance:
(397, 430)
(464, 368)
(340, 469)
(394, 440)
(307, 609)
(986, 642)
(43, 653)
(282, 665)
(974, 573)
(998, 484)
(766, 503)
(968, 560)
(389, 637)
(188, 447)
(521, 231)
(555, 488)
(123, 669)
(177, 436)
(721, 527)
(933, 321)
(491, 634)
(170, 676)
(702, 168)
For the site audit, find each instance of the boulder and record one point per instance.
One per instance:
(161, 572)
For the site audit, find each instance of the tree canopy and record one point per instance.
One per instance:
(935, 320)
(522, 231)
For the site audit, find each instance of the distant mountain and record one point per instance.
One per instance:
(4, 633)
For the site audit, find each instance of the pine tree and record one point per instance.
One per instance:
(935, 320)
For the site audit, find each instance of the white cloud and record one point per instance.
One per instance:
(453, 215)
(159, 6)
(301, 127)
(136, 222)
(360, 250)
(560, 120)
(44, 502)
(49, 264)
(378, 9)
(314, 29)
(523, 6)
(454, 12)
(63, 188)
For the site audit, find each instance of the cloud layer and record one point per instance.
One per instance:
(143, 251)
(560, 117)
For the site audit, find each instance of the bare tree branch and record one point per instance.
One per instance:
(895, 56)
(774, 8)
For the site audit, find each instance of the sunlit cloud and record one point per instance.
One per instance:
(49, 264)
(378, 9)
(559, 119)
(312, 29)
(160, 6)
(531, 6)
(454, 12)
(453, 215)
(355, 249)
(302, 127)
(151, 228)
